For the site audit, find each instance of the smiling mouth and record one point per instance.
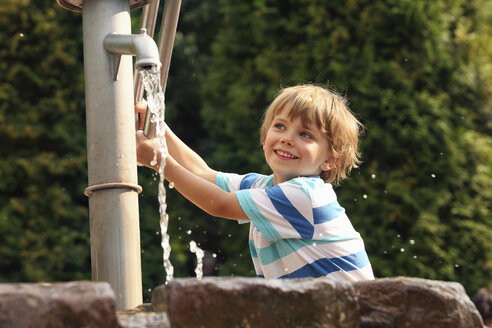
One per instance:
(285, 155)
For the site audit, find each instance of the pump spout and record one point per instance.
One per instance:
(140, 45)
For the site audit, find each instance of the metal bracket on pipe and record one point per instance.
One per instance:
(89, 191)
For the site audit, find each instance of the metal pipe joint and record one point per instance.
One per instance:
(140, 45)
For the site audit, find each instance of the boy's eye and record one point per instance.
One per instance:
(305, 134)
(279, 126)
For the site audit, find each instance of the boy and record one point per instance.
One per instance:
(297, 227)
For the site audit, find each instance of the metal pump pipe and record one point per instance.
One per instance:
(112, 166)
(111, 155)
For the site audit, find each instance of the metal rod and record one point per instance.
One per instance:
(149, 17)
(166, 41)
(111, 155)
(166, 38)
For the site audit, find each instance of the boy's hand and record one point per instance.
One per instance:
(145, 150)
(140, 110)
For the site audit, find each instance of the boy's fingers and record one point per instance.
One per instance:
(141, 107)
(141, 138)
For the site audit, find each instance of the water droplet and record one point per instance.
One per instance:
(188, 232)
(398, 236)
(214, 255)
(229, 235)
(433, 175)
(364, 196)
(412, 241)
(314, 244)
(373, 176)
(149, 290)
(157, 232)
(415, 256)
(456, 266)
(385, 252)
(171, 185)
(402, 250)
(21, 34)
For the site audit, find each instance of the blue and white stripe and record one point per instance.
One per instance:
(298, 229)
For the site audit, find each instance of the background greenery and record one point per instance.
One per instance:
(417, 73)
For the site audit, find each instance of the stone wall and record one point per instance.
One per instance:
(244, 302)
(250, 302)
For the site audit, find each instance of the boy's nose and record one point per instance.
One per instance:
(286, 140)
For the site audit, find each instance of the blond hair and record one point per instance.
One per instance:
(330, 113)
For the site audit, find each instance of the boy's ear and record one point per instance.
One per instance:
(329, 164)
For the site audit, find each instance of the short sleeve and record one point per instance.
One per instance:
(228, 181)
(280, 212)
(232, 182)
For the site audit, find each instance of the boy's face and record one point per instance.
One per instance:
(292, 149)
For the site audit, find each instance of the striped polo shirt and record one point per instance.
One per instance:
(298, 229)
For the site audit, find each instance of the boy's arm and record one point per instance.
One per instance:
(188, 158)
(183, 154)
(201, 192)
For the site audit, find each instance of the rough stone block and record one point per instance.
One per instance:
(414, 302)
(483, 301)
(252, 302)
(71, 304)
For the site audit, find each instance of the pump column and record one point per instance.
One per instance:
(113, 189)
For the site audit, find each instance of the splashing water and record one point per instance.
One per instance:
(155, 103)
(199, 259)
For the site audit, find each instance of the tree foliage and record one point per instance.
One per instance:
(43, 214)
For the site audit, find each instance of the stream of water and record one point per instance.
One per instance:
(199, 259)
(156, 105)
